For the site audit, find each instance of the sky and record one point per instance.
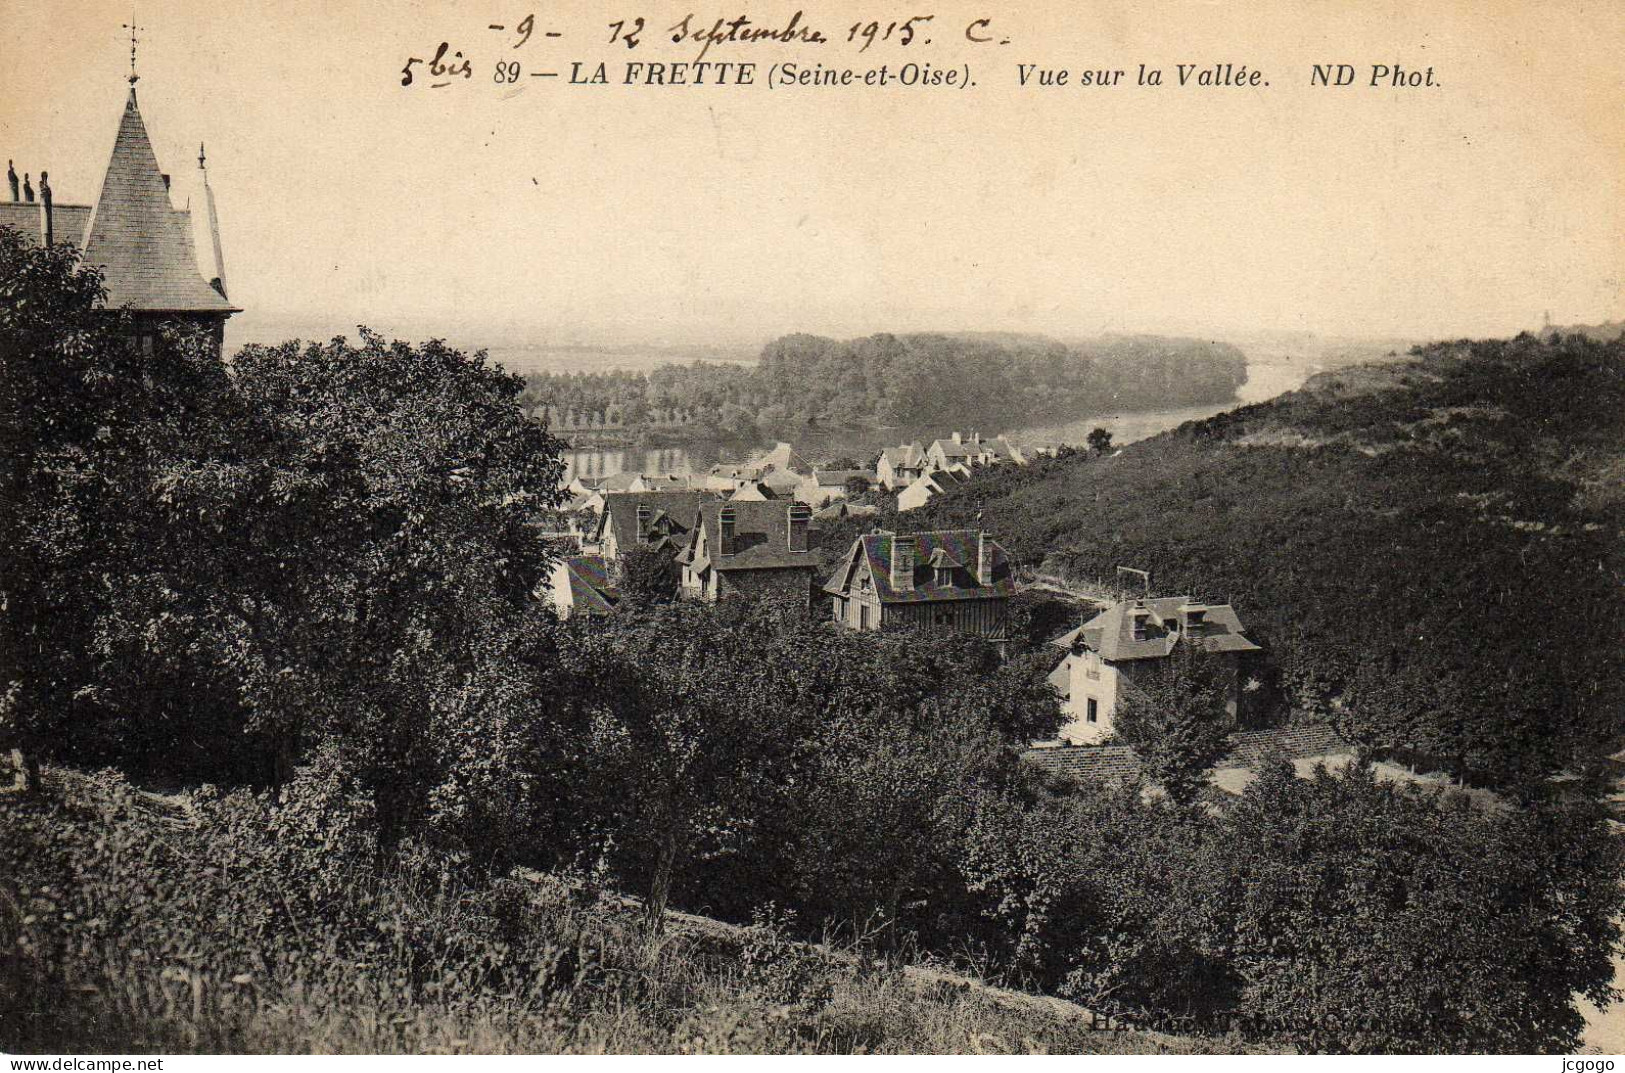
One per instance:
(569, 214)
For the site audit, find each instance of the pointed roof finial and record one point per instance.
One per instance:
(200, 166)
(132, 27)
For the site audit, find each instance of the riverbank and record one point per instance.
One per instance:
(663, 451)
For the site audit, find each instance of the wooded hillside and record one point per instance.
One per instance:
(1431, 550)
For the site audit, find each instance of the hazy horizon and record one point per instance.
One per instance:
(616, 216)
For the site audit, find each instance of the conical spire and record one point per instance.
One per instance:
(218, 282)
(140, 240)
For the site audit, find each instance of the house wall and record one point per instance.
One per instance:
(857, 611)
(980, 618)
(1107, 683)
(558, 585)
(1089, 678)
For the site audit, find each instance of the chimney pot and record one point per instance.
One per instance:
(28, 188)
(11, 177)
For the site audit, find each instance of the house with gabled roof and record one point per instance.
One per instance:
(965, 453)
(924, 489)
(958, 450)
(841, 510)
(782, 460)
(1133, 639)
(822, 487)
(900, 466)
(142, 243)
(644, 519)
(750, 548)
(957, 581)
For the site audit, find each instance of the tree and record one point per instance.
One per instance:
(857, 486)
(1365, 917)
(394, 558)
(1175, 718)
(1100, 441)
(86, 420)
(211, 574)
(678, 738)
(649, 575)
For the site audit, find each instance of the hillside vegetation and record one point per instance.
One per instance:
(298, 593)
(1431, 549)
(265, 926)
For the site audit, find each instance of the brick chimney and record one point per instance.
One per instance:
(905, 552)
(956, 437)
(984, 559)
(11, 177)
(800, 523)
(47, 222)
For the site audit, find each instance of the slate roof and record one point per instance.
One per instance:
(621, 512)
(761, 538)
(591, 590)
(782, 459)
(904, 456)
(782, 482)
(673, 482)
(843, 508)
(962, 449)
(943, 480)
(837, 478)
(143, 243)
(953, 546)
(68, 221)
(1111, 633)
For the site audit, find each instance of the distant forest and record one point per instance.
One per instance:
(988, 382)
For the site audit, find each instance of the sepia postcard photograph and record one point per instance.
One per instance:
(811, 527)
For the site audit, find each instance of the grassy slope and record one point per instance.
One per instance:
(131, 924)
(1448, 526)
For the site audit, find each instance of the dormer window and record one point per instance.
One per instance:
(727, 525)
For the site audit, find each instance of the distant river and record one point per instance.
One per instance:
(1265, 380)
